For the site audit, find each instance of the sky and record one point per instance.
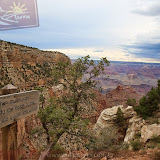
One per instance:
(121, 30)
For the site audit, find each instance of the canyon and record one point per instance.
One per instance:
(141, 76)
(29, 68)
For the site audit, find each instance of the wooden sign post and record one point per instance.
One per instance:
(9, 133)
(14, 106)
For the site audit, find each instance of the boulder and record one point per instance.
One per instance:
(129, 112)
(57, 88)
(134, 127)
(135, 124)
(107, 118)
(149, 131)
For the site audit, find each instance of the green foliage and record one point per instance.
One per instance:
(42, 98)
(57, 147)
(63, 115)
(149, 103)
(120, 117)
(56, 118)
(156, 139)
(108, 139)
(138, 135)
(136, 145)
(39, 89)
(131, 102)
(124, 146)
(38, 130)
(153, 143)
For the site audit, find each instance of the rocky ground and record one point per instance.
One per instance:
(106, 155)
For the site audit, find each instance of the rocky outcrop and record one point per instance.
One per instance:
(26, 67)
(149, 132)
(132, 76)
(129, 112)
(134, 127)
(120, 95)
(115, 97)
(135, 124)
(107, 118)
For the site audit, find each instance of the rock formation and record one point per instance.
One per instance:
(26, 67)
(149, 132)
(140, 76)
(136, 126)
(120, 95)
(132, 76)
(107, 118)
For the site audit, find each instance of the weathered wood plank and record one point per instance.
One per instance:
(9, 132)
(18, 105)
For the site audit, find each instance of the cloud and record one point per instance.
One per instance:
(147, 8)
(110, 54)
(95, 27)
(152, 11)
(80, 24)
(98, 51)
(144, 50)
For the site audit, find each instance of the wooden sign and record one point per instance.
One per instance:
(16, 14)
(18, 105)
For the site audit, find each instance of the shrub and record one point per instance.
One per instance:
(120, 117)
(156, 139)
(57, 147)
(149, 103)
(136, 145)
(107, 139)
(56, 152)
(154, 142)
(131, 102)
(38, 130)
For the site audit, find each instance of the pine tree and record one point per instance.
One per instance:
(149, 103)
(63, 114)
(120, 117)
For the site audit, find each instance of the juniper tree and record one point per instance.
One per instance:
(131, 102)
(62, 115)
(120, 118)
(150, 103)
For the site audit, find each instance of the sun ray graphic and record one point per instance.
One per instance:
(17, 8)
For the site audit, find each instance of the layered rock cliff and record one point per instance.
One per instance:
(26, 67)
(117, 96)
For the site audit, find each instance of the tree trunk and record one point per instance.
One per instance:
(47, 132)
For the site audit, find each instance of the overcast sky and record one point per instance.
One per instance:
(121, 30)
